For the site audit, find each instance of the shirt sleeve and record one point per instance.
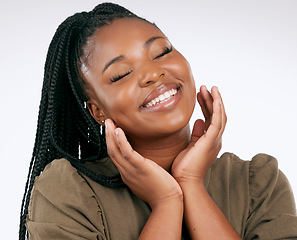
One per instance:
(272, 213)
(63, 206)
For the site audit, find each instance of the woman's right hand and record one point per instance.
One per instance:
(145, 178)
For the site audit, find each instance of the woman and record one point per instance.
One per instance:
(115, 110)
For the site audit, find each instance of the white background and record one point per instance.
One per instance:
(247, 48)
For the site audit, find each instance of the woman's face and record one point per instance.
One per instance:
(139, 80)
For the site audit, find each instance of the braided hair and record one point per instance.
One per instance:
(65, 128)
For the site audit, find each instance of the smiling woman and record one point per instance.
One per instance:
(140, 73)
(114, 157)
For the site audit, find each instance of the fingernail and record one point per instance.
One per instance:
(116, 131)
(106, 125)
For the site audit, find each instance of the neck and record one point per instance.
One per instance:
(163, 150)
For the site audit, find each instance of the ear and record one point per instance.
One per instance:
(96, 112)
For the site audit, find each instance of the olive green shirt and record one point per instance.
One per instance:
(255, 197)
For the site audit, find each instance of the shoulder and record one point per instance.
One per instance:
(60, 180)
(257, 161)
(233, 165)
(56, 171)
(255, 180)
(264, 183)
(62, 196)
(261, 172)
(256, 193)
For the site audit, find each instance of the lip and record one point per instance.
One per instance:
(163, 105)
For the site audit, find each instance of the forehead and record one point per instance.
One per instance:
(123, 36)
(126, 28)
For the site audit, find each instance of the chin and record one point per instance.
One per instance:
(176, 124)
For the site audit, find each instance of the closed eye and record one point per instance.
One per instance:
(120, 76)
(165, 51)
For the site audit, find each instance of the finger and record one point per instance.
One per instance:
(215, 127)
(224, 115)
(205, 101)
(208, 99)
(203, 106)
(112, 145)
(128, 153)
(216, 95)
(198, 130)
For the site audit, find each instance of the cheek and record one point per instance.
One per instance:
(182, 71)
(118, 102)
(180, 68)
(185, 73)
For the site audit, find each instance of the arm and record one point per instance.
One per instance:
(203, 218)
(164, 222)
(149, 182)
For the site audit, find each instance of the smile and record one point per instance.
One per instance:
(162, 98)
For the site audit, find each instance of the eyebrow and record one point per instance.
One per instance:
(116, 59)
(148, 42)
(122, 57)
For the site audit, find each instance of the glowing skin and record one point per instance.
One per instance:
(140, 82)
(156, 95)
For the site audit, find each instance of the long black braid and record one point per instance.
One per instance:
(65, 128)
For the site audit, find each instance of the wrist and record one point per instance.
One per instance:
(174, 202)
(190, 180)
(165, 221)
(192, 185)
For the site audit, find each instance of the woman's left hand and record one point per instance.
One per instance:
(192, 164)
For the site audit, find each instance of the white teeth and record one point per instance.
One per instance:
(161, 98)
(166, 94)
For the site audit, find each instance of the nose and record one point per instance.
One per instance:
(150, 73)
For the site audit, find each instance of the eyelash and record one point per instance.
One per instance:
(166, 51)
(119, 76)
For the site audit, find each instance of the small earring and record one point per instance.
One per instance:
(102, 122)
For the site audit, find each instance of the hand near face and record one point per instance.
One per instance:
(145, 178)
(192, 164)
